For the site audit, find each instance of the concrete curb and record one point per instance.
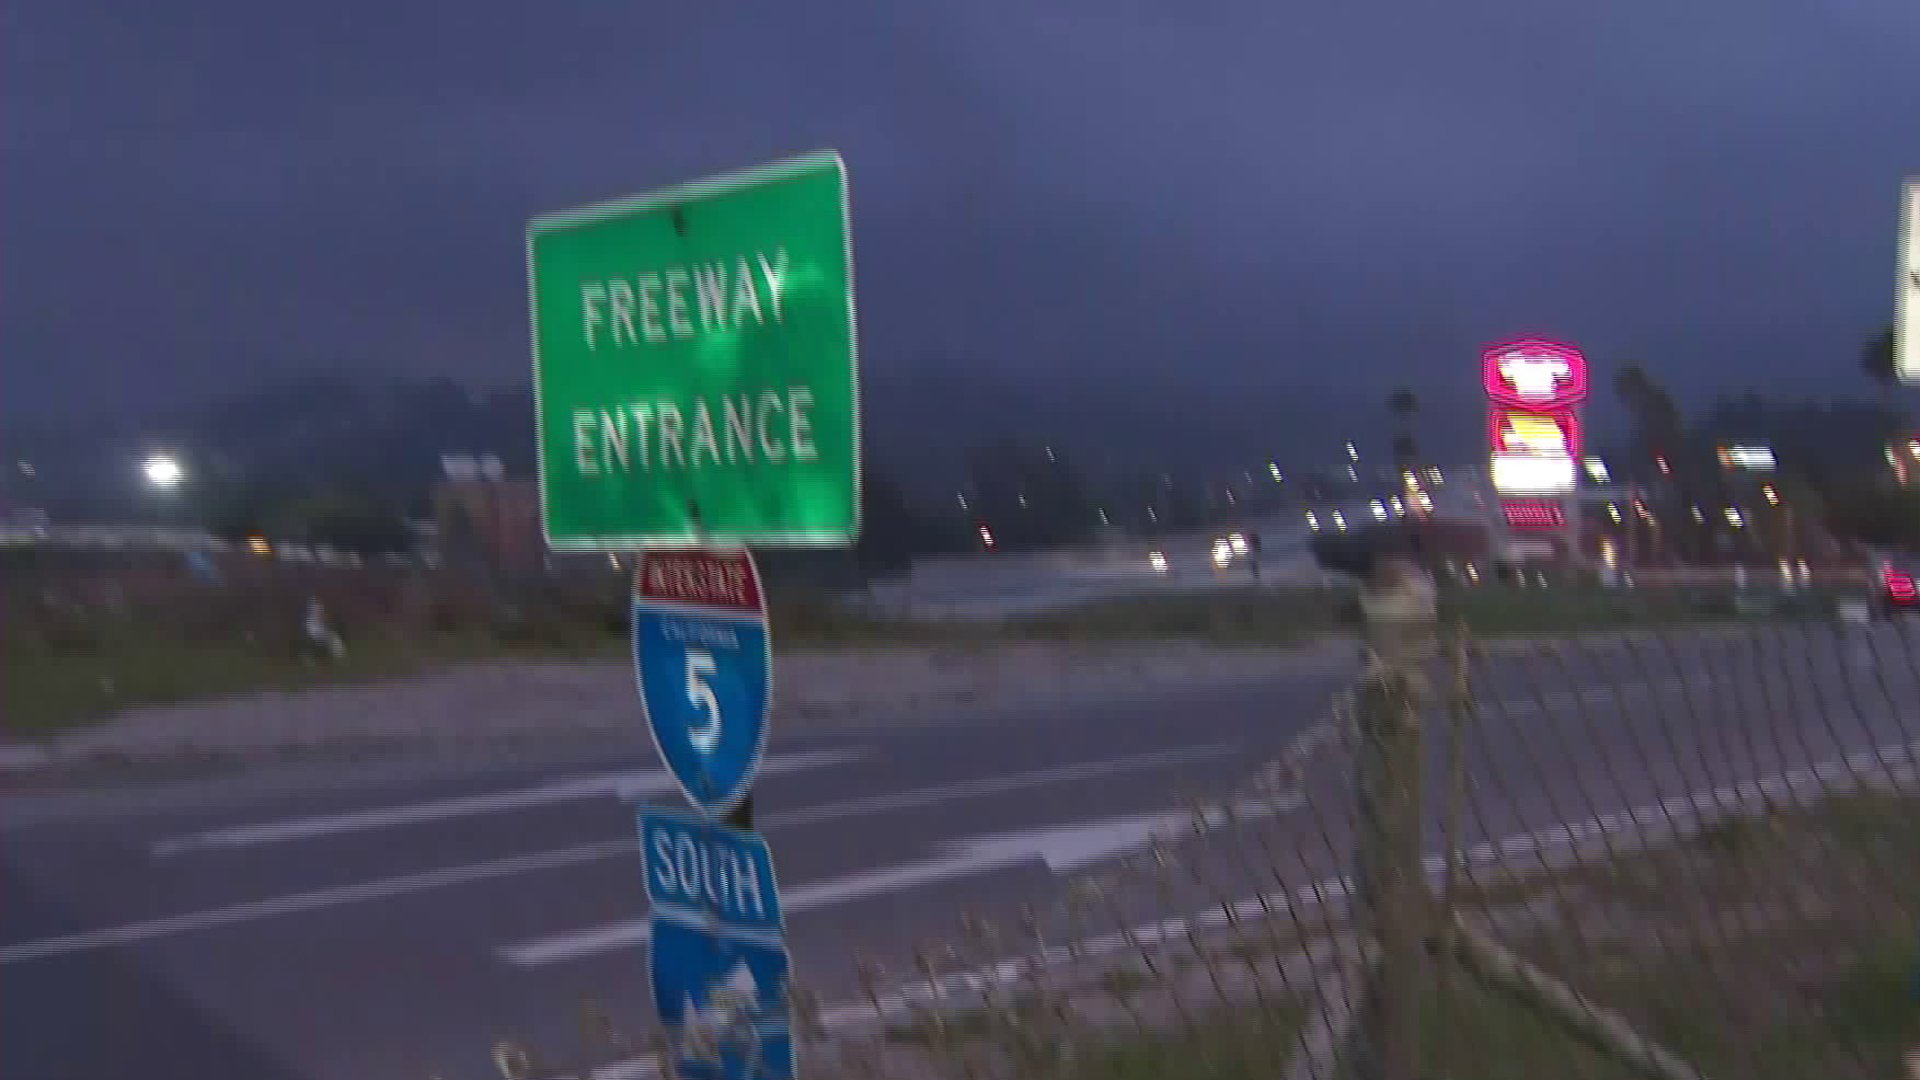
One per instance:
(95, 761)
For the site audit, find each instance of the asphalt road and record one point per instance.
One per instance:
(392, 923)
(358, 929)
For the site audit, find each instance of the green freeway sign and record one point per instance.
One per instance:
(693, 362)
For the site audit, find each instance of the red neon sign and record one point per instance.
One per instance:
(1534, 374)
(1533, 515)
(1533, 433)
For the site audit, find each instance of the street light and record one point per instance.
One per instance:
(163, 471)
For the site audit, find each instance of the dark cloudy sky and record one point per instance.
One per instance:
(1245, 215)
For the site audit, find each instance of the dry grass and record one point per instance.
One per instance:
(1781, 946)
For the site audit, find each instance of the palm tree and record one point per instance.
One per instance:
(1404, 406)
(1876, 359)
(1656, 418)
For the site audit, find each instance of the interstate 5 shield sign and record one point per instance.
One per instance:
(705, 670)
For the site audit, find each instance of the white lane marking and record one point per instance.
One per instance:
(571, 856)
(1061, 847)
(995, 785)
(1894, 759)
(303, 902)
(624, 785)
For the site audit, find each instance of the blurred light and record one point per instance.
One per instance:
(1273, 470)
(1516, 431)
(259, 546)
(163, 471)
(986, 536)
(1698, 517)
(1340, 521)
(1540, 374)
(1239, 543)
(1409, 479)
(1157, 560)
(1533, 515)
(1399, 506)
(1734, 517)
(1609, 554)
(1353, 475)
(1596, 470)
(1425, 501)
(1660, 462)
(1435, 476)
(1352, 454)
(1772, 493)
(1913, 447)
(1473, 573)
(1313, 521)
(963, 500)
(26, 468)
(1613, 511)
(1532, 473)
(1379, 510)
(1899, 583)
(1747, 457)
(613, 560)
(1222, 553)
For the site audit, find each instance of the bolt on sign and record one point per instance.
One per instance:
(694, 364)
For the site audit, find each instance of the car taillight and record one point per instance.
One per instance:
(1900, 586)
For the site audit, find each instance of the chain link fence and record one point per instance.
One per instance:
(1685, 855)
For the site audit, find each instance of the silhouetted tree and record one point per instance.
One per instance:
(1029, 497)
(348, 521)
(893, 530)
(1404, 407)
(1876, 359)
(1656, 419)
(1881, 515)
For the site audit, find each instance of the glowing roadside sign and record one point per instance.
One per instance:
(1532, 474)
(1535, 374)
(1519, 431)
(1536, 514)
(1755, 458)
(1534, 388)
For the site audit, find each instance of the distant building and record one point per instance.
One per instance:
(480, 515)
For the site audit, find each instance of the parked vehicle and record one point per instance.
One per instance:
(1897, 586)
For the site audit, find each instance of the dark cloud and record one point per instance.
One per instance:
(1248, 216)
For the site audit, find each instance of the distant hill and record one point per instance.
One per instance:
(386, 437)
